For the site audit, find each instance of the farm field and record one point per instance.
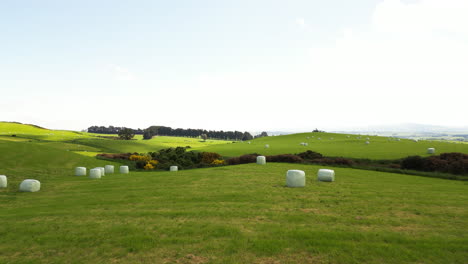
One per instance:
(231, 214)
(236, 214)
(339, 146)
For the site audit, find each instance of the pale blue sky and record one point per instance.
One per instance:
(247, 65)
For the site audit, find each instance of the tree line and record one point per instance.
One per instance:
(151, 131)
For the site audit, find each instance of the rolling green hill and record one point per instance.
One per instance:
(341, 145)
(231, 214)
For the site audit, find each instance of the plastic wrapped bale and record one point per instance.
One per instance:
(295, 178)
(124, 169)
(430, 150)
(173, 168)
(95, 173)
(30, 185)
(326, 175)
(267, 146)
(3, 181)
(367, 138)
(109, 169)
(249, 142)
(306, 144)
(103, 171)
(319, 138)
(80, 171)
(261, 160)
(367, 142)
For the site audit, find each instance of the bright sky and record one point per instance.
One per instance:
(234, 65)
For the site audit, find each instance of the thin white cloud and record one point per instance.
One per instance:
(121, 74)
(300, 21)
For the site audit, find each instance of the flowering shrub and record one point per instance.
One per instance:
(218, 162)
(148, 166)
(209, 157)
(135, 157)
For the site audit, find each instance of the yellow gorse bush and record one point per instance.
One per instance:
(148, 166)
(139, 158)
(218, 162)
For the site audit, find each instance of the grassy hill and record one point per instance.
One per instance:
(232, 214)
(238, 214)
(341, 145)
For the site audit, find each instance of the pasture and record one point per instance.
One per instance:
(230, 214)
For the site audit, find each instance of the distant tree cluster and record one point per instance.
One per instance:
(263, 134)
(151, 131)
(204, 134)
(111, 130)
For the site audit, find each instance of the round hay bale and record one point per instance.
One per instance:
(326, 175)
(249, 142)
(267, 146)
(3, 181)
(109, 168)
(124, 169)
(80, 171)
(295, 178)
(430, 150)
(367, 142)
(103, 171)
(95, 173)
(261, 160)
(173, 168)
(30, 185)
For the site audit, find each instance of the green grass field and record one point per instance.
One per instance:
(231, 214)
(339, 146)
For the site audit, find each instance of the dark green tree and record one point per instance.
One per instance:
(126, 133)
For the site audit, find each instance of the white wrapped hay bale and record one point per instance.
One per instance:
(267, 146)
(261, 160)
(326, 175)
(109, 168)
(249, 142)
(295, 178)
(80, 171)
(367, 142)
(124, 169)
(3, 181)
(430, 150)
(306, 144)
(367, 138)
(103, 171)
(95, 173)
(173, 168)
(30, 185)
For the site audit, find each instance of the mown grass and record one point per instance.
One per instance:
(142, 146)
(339, 146)
(234, 214)
(237, 214)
